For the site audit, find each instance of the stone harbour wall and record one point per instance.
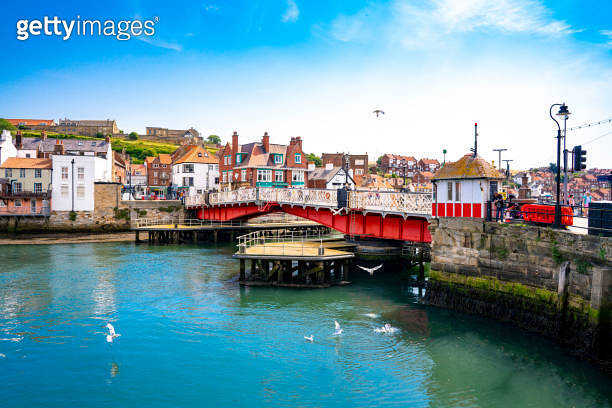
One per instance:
(553, 282)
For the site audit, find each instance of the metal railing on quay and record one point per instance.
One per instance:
(278, 242)
(182, 222)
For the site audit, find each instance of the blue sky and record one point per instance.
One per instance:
(318, 68)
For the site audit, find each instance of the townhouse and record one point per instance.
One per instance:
(25, 186)
(195, 170)
(358, 163)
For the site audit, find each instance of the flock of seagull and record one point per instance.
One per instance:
(387, 328)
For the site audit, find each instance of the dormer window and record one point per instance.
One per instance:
(199, 154)
(238, 158)
(278, 159)
(298, 158)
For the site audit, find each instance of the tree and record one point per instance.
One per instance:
(213, 139)
(379, 161)
(552, 167)
(6, 125)
(133, 136)
(99, 135)
(314, 158)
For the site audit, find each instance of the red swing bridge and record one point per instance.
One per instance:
(377, 214)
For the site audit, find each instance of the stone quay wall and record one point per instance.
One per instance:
(552, 282)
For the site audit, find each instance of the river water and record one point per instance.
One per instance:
(190, 336)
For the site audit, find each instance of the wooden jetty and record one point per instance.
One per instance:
(304, 259)
(170, 231)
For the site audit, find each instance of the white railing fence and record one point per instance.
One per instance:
(282, 242)
(413, 203)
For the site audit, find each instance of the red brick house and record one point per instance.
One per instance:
(159, 170)
(262, 164)
(430, 165)
(395, 164)
(357, 162)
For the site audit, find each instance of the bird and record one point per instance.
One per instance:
(309, 338)
(111, 333)
(338, 328)
(370, 270)
(379, 112)
(387, 328)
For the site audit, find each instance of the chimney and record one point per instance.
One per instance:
(234, 145)
(18, 140)
(329, 166)
(265, 140)
(311, 166)
(58, 148)
(298, 142)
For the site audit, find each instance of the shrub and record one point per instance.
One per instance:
(72, 216)
(133, 136)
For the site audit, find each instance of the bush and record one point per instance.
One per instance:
(99, 135)
(133, 136)
(72, 216)
(6, 125)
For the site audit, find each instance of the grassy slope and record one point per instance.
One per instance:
(138, 149)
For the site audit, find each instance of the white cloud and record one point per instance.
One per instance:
(607, 33)
(156, 42)
(292, 13)
(417, 27)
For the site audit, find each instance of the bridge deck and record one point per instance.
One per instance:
(221, 226)
(299, 251)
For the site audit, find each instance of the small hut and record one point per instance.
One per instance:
(462, 188)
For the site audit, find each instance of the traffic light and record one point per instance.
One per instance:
(579, 158)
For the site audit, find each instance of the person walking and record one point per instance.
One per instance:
(572, 204)
(587, 201)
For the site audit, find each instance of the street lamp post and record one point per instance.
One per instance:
(500, 160)
(444, 153)
(564, 114)
(563, 111)
(404, 164)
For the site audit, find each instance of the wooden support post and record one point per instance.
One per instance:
(215, 236)
(137, 236)
(347, 269)
(242, 269)
(326, 271)
(252, 267)
(231, 235)
(421, 267)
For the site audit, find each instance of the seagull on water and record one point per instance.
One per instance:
(309, 338)
(370, 270)
(338, 328)
(387, 328)
(111, 333)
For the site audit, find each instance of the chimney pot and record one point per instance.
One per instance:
(265, 140)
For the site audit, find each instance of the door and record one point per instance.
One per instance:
(33, 206)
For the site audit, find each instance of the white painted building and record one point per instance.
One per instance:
(329, 177)
(7, 148)
(73, 180)
(196, 171)
(462, 188)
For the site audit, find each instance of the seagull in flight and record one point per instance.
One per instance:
(370, 270)
(111, 333)
(379, 112)
(338, 328)
(309, 338)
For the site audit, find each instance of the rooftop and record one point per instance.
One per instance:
(26, 163)
(468, 167)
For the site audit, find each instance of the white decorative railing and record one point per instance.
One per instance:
(242, 195)
(195, 201)
(417, 203)
(384, 201)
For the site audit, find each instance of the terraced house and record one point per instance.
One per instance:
(25, 186)
(263, 164)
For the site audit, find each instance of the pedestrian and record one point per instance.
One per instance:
(587, 201)
(572, 203)
(499, 207)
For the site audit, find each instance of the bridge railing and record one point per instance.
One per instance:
(389, 201)
(385, 201)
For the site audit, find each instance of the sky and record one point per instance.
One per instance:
(318, 69)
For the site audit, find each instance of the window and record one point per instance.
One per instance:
(200, 155)
(155, 165)
(17, 203)
(199, 191)
(225, 176)
(27, 155)
(188, 168)
(264, 175)
(64, 173)
(492, 189)
(238, 158)
(278, 158)
(359, 162)
(457, 191)
(38, 187)
(278, 176)
(2, 205)
(22, 172)
(298, 158)
(155, 174)
(8, 172)
(80, 192)
(358, 172)
(227, 160)
(450, 191)
(37, 173)
(229, 175)
(243, 171)
(164, 166)
(64, 191)
(155, 182)
(164, 175)
(16, 187)
(187, 181)
(297, 176)
(80, 173)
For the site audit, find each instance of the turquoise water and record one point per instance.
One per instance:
(190, 336)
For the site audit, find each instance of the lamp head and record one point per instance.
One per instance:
(563, 111)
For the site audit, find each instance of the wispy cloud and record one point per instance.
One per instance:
(156, 42)
(210, 7)
(417, 26)
(292, 13)
(607, 33)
